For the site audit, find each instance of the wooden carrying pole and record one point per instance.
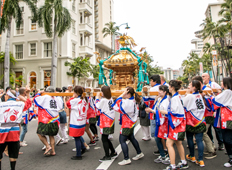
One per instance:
(145, 92)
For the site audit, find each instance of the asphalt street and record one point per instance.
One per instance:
(33, 158)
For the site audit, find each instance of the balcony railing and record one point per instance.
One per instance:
(86, 28)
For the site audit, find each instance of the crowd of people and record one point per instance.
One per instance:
(169, 118)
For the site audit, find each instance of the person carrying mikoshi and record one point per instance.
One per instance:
(128, 109)
(195, 121)
(213, 85)
(176, 126)
(223, 104)
(78, 107)
(48, 118)
(106, 122)
(161, 130)
(209, 119)
(10, 117)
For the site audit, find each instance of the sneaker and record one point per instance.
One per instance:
(138, 156)
(95, 138)
(156, 152)
(92, 143)
(74, 149)
(110, 137)
(22, 144)
(58, 142)
(211, 155)
(44, 148)
(200, 163)
(206, 153)
(166, 161)
(125, 162)
(160, 159)
(190, 158)
(182, 166)
(228, 164)
(76, 158)
(105, 158)
(87, 147)
(114, 155)
(146, 139)
(221, 147)
(170, 168)
(65, 141)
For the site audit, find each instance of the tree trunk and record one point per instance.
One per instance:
(54, 57)
(230, 30)
(112, 43)
(7, 56)
(73, 81)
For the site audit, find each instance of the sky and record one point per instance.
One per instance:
(164, 27)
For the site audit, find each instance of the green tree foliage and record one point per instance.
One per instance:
(111, 30)
(79, 68)
(11, 9)
(191, 65)
(56, 20)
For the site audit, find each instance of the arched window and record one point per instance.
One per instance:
(47, 78)
(32, 79)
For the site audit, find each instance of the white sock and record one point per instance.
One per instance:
(183, 161)
(173, 166)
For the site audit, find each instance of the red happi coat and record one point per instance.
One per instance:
(222, 103)
(149, 101)
(161, 130)
(11, 112)
(48, 108)
(106, 113)
(78, 116)
(128, 112)
(208, 108)
(91, 113)
(194, 109)
(176, 117)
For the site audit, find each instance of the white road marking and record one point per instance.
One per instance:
(105, 165)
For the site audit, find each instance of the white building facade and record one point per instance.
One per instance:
(198, 46)
(32, 49)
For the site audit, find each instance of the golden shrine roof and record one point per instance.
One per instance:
(122, 59)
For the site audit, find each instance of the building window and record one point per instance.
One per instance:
(33, 25)
(19, 51)
(73, 50)
(19, 30)
(48, 49)
(73, 27)
(47, 78)
(33, 49)
(74, 6)
(81, 19)
(32, 79)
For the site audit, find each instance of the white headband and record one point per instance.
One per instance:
(10, 94)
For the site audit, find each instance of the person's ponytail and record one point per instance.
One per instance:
(137, 98)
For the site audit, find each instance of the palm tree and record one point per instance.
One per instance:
(207, 62)
(207, 49)
(61, 23)
(11, 9)
(80, 68)
(111, 30)
(12, 61)
(208, 30)
(226, 9)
